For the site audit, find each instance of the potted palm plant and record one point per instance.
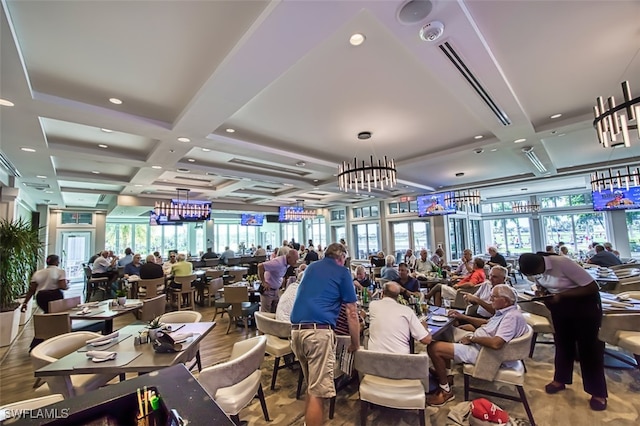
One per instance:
(154, 326)
(20, 249)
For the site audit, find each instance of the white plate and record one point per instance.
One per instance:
(439, 318)
(101, 359)
(101, 343)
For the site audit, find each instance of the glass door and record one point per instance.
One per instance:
(75, 251)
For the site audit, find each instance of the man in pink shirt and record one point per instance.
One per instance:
(271, 274)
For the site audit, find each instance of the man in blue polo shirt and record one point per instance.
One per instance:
(326, 285)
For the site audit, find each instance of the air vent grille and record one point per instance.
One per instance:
(268, 167)
(457, 62)
(37, 186)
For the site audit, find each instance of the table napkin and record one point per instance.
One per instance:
(181, 337)
(84, 311)
(102, 354)
(103, 338)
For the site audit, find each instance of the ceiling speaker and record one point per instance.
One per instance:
(414, 11)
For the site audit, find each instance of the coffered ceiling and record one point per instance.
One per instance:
(284, 77)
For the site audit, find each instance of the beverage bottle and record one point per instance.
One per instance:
(365, 296)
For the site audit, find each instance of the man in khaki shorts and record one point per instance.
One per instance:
(326, 285)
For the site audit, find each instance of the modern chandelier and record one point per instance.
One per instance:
(361, 175)
(182, 207)
(525, 208)
(469, 197)
(620, 178)
(612, 122)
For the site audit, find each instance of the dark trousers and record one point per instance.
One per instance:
(43, 297)
(576, 321)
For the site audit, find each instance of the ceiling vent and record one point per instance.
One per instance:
(37, 186)
(8, 165)
(264, 166)
(457, 62)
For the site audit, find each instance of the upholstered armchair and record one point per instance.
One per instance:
(278, 335)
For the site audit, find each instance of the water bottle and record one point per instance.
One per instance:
(365, 296)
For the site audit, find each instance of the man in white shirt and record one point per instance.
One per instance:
(105, 266)
(288, 298)
(393, 325)
(46, 284)
(424, 265)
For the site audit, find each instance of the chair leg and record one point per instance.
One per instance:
(421, 414)
(332, 407)
(245, 320)
(123, 377)
(263, 403)
(230, 321)
(199, 361)
(363, 412)
(300, 378)
(466, 387)
(533, 344)
(39, 382)
(523, 397)
(276, 363)
(236, 419)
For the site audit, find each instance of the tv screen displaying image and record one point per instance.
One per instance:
(618, 199)
(291, 214)
(197, 211)
(434, 205)
(250, 219)
(155, 220)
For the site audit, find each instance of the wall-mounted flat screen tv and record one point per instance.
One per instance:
(290, 214)
(617, 199)
(251, 219)
(434, 205)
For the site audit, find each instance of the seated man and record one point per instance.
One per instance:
(181, 268)
(133, 267)
(449, 292)
(507, 324)
(377, 260)
(424, 265)
(410, 259)
(150, 269)
(362, 279)
(388, 272)
(409, 286)
(496, 258)
(466, 265)
(393, 325)
(105, 267)
(604, 258)
(438, 258)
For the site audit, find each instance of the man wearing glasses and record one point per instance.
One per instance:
(507, 324)
(325, 286)
(166, 266)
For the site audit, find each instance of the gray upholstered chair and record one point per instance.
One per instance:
(622, 331)
(153, 308)
(398, 381)
(214, 283)
(233, 384)
(239, 306)
(148, 289)
(278, 335)
(57, 347)
(489, 367)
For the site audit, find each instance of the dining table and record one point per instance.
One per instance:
(131, 357)
(105, 311)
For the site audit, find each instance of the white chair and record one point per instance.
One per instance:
(57, 347)
(28, 404)
(621, 331)
(540, 324)
(186, 316)
(153, 308)
(278, 335)
(185, 290)
(234, 384)
(398, 381)
(489, 367)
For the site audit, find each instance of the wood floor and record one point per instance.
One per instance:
(16, 372)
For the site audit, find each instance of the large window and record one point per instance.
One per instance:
(317, 231)
(338, 233)
(510, 236)
(145, 239)
(413, 235)
(575, 230)
(457, 233)
(633, 225)
(367, 240)
(234, 236)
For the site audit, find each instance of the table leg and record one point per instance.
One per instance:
(108, 326)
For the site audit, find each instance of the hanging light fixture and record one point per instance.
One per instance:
(620, 178)
(612, 123)
(469, 197)
(525, 207)
(183, 208)
(361, 175)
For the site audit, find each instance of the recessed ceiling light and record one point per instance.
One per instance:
(95, 172)
(494, 149)
(556, 116)
(478, 137)
(28, 149)
(156, 167)
(206, 149)
(301, 164)
(519, 140)
(49, 192)
(103, 146)
(106, 130)
(287, 184)
(138, 185)
(315, 180)
(41, 176)
(357, 39)
(191, 160)
(562, 134)
(6, 102)
(183, 139)
(115, 101)
(230, 130)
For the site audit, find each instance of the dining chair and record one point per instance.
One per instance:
(237, 274)
(211, 262)
(489, 367)
(63, 305)
(240, 307)
(57, 347)
(398, 381)
(186, 290)
(212, 287)
(235, 383)
(621, 330)
(153, 308)
(459, 302)
(187, 317)
(150, 288)
(12, 410)
(278, 340)
(540, 324)
(49, 325)
(92, 284)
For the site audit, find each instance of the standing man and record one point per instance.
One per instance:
(47, 284)
(326, 285)
(271, 274)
